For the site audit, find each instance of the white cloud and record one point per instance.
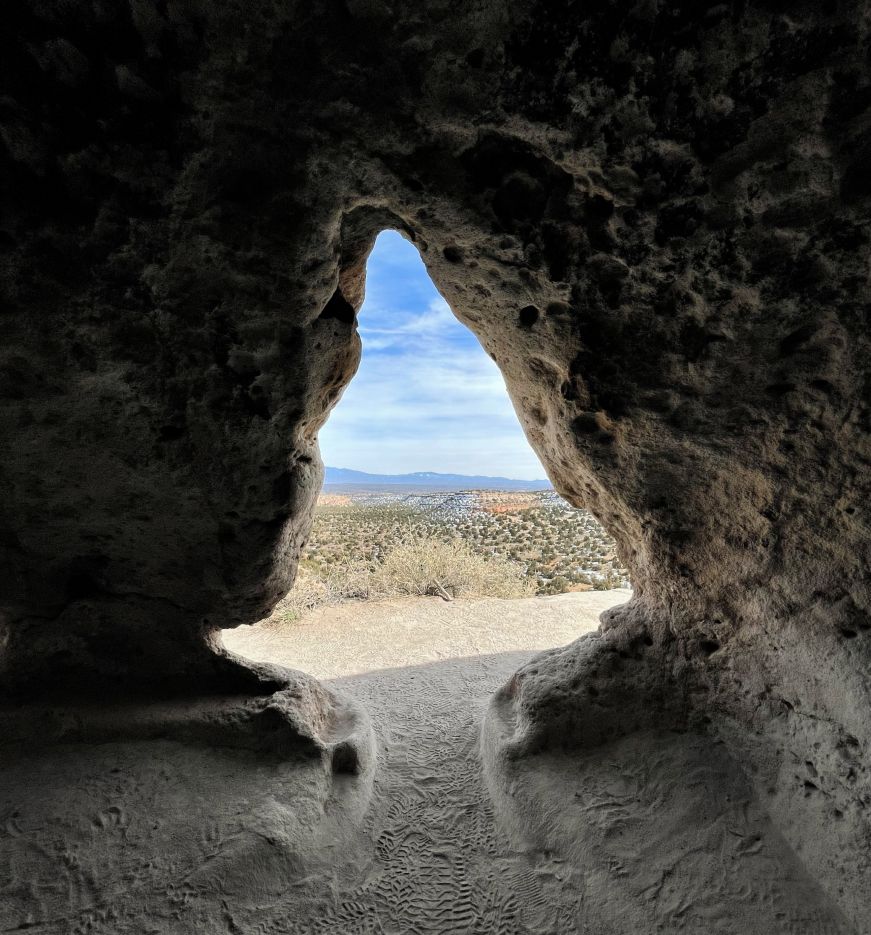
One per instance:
(427, 397)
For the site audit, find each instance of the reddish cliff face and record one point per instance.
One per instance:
(655, 218)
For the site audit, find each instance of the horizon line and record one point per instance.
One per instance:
(333, 467)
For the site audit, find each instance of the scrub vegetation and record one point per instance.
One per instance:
(378, 543)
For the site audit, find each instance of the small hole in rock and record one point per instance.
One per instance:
(338, 308)
(528, 316)
(345, 759)
(171, 433)
(453, 254)
(475, 58)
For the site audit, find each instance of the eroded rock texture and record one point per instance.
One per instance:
(654, 216)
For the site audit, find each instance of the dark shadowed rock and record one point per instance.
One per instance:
(655, 218)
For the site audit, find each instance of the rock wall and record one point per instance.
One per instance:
(653, 215)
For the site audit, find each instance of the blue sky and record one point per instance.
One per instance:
(426, 397)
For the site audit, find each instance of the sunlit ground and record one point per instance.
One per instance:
(349, 639)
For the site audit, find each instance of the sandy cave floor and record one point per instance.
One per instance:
(354, 638)
(657, 832)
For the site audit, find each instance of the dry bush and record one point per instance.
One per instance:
(433, 566)
(426, 566)
(342, 581)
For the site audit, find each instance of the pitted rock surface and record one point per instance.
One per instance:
(653, 215)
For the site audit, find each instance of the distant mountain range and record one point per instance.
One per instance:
(431, 479)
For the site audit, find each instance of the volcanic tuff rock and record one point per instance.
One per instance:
(653, 215)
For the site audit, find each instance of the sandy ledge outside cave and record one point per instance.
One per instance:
(349, 639)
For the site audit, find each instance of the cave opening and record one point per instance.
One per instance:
(432, 496)
(655, 218)
(426, 397)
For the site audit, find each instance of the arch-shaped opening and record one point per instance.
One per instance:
(619, 690)
(431, 491)
(425, 394)
(654, 216)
